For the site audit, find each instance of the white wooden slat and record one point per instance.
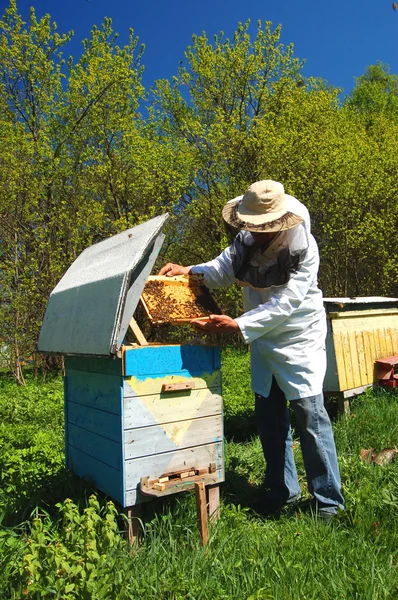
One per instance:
(146, 441)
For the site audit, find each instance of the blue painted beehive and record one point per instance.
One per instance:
(133, 414)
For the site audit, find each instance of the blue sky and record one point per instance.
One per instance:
(338, 39)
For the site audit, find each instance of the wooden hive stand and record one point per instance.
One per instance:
(207, 495)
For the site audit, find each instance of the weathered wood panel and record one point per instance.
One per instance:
(362, 368)
(97, 473)
(367, 348)
(389, 341)
(155, 465)
(94, 364)
(353, 358)
(103, 423)
(178, 406)
(359, 339)
(171, 436)
(104, 449)
(99, 390)
(340, 365)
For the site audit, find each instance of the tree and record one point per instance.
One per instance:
(375, 94)
(245, 113)
(216, 107)
(78, 163)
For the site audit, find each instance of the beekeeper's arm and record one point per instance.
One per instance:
(283, 301)
(216, 273)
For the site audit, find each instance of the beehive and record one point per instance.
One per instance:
(121, 428)
(131, 413)
(359, 331)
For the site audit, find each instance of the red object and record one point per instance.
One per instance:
(389, 383)
(385, 371)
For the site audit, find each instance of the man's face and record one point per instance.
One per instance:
(261, 239)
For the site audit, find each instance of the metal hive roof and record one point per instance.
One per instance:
(89, 311)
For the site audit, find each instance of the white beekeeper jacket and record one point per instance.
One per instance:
(284, 319)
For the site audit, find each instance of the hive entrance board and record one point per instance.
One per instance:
(178, 299)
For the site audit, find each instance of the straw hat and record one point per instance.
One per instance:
(263, 207)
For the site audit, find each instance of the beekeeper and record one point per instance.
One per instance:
(275, 258)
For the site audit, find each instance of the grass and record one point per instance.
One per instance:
(74, 550)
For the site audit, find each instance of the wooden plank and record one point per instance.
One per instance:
(102, 391)
(394, 337)
(97, 364)
(377, 352)
(141, 339)
(373, 349)
(154, 360)
(368, 356)
(380, 321)
(66, 421)
(343, 404)
(134, 496)
(354, 391)
(389, 341)
(213, 496)
(201, 511)
(155, 409)
(105, 450)
(354, 359)
(98, 474)
(339, 353)
(154, 489)
(98, 421)
(156, 465)
(156, 439)
(364, 314)
(347, 360)
(133, 514)
(363, 372)
(178, 387)
(142, 386)
(382, 343)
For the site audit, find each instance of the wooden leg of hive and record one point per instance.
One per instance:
(133, 514)
(213, 496)
(201, 510)
(343, 404)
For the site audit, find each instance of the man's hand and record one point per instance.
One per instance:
(171, 269)
(216, 324)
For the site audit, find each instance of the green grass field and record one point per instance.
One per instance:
(60, 539)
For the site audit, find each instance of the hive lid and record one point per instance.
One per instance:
(360, 302)
(90, 309)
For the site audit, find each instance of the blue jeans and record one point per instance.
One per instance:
(317, 446)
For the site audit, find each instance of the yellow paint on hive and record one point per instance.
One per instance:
(360, 338)
(153, 385)
(175, 430)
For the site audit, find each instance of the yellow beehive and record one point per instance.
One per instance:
(360, 331)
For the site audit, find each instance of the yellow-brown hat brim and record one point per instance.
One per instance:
(287, 221)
